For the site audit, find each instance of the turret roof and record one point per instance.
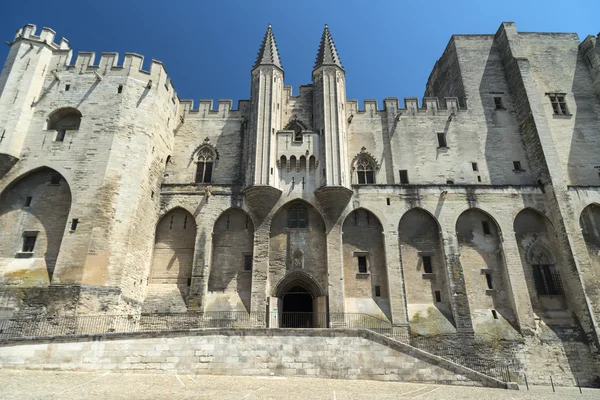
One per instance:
(327, 54)
(268, 53)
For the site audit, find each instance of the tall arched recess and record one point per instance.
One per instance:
(482, 260)
(33, 219)
(172, 261)
(589, 222)
(365, 273)
(230, 280)
(538, 248)
(425, 278)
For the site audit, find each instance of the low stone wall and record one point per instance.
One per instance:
(326, 353)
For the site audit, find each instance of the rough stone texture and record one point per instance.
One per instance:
(128, 169)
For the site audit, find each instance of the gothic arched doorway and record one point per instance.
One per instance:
(297, 308)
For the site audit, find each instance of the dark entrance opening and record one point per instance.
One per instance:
(297, 309)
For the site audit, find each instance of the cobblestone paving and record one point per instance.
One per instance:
(24, 385)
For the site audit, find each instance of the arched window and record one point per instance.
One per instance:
(63, 120)
(365, 171)
(283, 163)
(297, 216)
(206, 158)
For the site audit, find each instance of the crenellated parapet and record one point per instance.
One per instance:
(205, 108)
(590, 49)
(429, 105)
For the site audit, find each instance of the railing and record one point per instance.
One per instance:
(461, 349)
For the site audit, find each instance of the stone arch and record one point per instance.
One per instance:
(294, 278)
(363, 247)
(298, 248)
(482, 260)
(230, 277)
(34, 208)
(537, 241)
(424, 269)
(589, 221)
(364, 168)
(64, 118)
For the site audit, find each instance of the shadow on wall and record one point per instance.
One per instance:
(425, 274)
(33, 217)
(230, 278)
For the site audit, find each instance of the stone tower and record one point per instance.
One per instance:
(329, 97)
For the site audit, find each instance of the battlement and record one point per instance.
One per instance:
(429, 105)
(46, 36)
(206, 107)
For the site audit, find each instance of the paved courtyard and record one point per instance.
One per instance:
(23, 385)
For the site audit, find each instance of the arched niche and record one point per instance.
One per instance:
(63, 120)
(365, 273)
(537, 244)
(424, 270)
(589, 221)
(230, 279)
(34, 211)
(482, 261)
(298, 242)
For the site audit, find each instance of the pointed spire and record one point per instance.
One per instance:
(268, 53)
(327, 54)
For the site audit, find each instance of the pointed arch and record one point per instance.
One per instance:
(174, 243)
(34, 210)
(364, 167)
(230, 277)
(300, 278)
(539, 253)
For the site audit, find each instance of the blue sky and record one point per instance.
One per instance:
(388, 48)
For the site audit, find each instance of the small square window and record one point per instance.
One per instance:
(517, 166)
(362, 264)
(67, 87)
(449, 182)
(120, 89)
(438, 296)
(404, 176)
(486, 227)
(478, 178)
(28, 201)
(377, 291)
(442, 140)
(427, 267)
(74, 223)
(55, 179)
(474, 166)
(248, 262)
(488, 279)
(559, 105)
(498, 103)
(29, 242)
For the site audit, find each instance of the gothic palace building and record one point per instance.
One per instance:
(475, 211)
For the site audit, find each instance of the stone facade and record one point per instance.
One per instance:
(476, 211)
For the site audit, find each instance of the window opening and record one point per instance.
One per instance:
(478, 178)
(474, 166)
(498, 103)
(298, 216)
(442, 140)
(438, 296)
(60, 135)
(55, 179)
(120, 89)
(189, 281)
(67, 87)
(74, 223)
(248, 262)
(365, 171)
(559, 105)
(547, 280)
(494, 314)
(427, 267)
(28, 201)
(404, 176)
(185, 222)
(377, 291)
(517, 165)
(486, 227)
(387, 200)
(362, 264)
(488, 279)
(449, 182)
(29, 243)
(205, 166)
